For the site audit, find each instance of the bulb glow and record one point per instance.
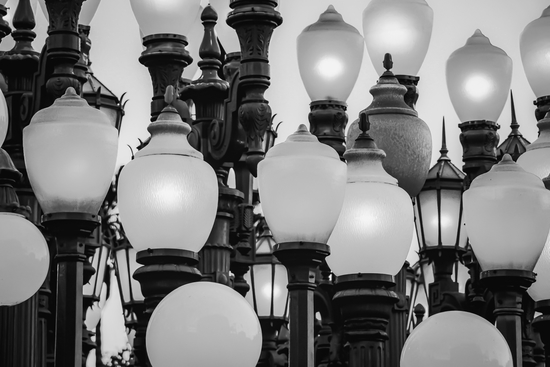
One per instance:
(478, 87)
(330, 68)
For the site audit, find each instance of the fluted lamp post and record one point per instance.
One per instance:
(70, 152)
(507, 214)
(440, 228)
(167, 198)
(370, 243)
(330, 52)
(402, 28)
(301, 184)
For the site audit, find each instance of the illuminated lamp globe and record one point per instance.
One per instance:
(168, 195)
(402, 28)
(70, 153)
(540, 290)
(26, 261)
(534, 47)
(87, 12)
(4, 118)
(537, 157)
(375, 228)
(165, 16)
(204, 324)
(507, 215)
(227, 35)
(478, 79)
(456, 339)
(301, 184)
(330, 52)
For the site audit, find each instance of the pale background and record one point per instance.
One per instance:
(116, 47)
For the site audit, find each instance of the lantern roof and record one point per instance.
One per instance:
(515, 144)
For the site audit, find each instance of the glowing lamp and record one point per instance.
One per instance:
(374, 231)
(24, 266)
(206, 323)
(165, 16)
(534, 47)
(168, 195)
(402, 28)
(507, 214)
(330, 52)
(70, 152)
(301, 184)
(446, 339)
(478, 79)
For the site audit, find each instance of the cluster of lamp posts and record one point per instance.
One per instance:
(308, 195)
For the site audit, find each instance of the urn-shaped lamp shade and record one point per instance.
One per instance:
(70, 152)
(208, 323)
(374, 231)
(507, 214)
(330, 53)
(301, 184)
(456, 339)
(227, 35)
(168, 195)
(402, 28)
(540, 290)
(478, 79)
(25, 262)
(534, 47)
(165, 16)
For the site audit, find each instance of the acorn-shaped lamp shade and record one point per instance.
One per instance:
(478, 79)
(402, 28)
(507, 215)
(70, 152)
(330, 52)
(301, 184)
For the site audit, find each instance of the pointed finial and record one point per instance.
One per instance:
(364, 123)
(170, 95)
(514, 125)
(388, 63)
(443, 149)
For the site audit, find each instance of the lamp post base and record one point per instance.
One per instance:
(301, 260)
(508, 287)
(365, 303)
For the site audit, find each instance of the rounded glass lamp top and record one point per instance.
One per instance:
(456, 339)
(402, 28)
(478, 79)
(165, 16)
(168, 196)
(534, 47)
(301, 184)
(507, 215)
(70, 152)
(330, 52)
(375, 228)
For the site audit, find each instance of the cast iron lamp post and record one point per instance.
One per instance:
(301, 184)
(507, 247)
(370, 244)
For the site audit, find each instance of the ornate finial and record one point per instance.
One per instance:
(170, 95)
(388, 63)
(514, 125)
(443, 149)
(364, 123)
(364, 140)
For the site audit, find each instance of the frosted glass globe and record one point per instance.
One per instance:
(301, 184)
(375, 228)
(507, 215)
(402, 28)
(534, 47)
(330, 52)
(456, 339)
(167, 195)
(165, 16)
(4, 119)
(70, 152)
(25, 262)
(204, 324)
(540, 290)
(478, 79)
